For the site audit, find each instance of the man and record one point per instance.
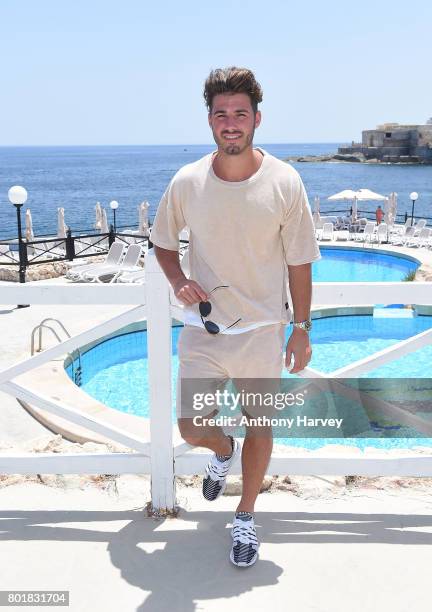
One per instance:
(249, 221)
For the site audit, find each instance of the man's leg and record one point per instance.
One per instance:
(198, 430)
(256, 453)
(262, 355)
(199, 371)
(212, 437)
(258, 442)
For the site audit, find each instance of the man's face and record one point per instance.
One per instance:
(233, 122)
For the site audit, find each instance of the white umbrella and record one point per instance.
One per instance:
(393, 208)
(387, 209)
(367, 194)
(61, 226)
(354, 215)
(360, 194)
(143, 218)
(346, 194)
(29, 226)
(98, 210)
(316, 213)
(104, 223)
(390, 205)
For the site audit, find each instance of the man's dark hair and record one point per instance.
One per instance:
(232, 80)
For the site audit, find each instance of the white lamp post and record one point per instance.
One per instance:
(114, 205)
(413, 197)
(18, 196)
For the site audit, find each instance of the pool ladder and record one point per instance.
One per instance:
(76, 371)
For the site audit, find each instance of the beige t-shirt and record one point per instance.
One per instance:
(241, 234)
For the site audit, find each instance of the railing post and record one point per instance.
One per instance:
(70, 245)
(111, 235)
(160, 396)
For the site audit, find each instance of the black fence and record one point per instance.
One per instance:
(400, 217)
(49, 250)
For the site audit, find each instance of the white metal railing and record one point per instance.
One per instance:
(159, 457)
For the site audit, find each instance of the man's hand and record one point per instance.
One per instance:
(299, 346)
(189, 292)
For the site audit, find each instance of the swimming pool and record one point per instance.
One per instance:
(115, 371)
(365, 264)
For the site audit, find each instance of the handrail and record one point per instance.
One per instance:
(76, 374)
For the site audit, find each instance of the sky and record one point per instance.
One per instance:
(104, 72)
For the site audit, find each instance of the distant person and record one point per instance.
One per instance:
(379, 214)
(249, 224)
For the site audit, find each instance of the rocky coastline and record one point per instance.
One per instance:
(42, 271)
(360, 158)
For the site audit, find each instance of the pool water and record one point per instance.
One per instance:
(339, 341)
(115, 371)
(361, 265)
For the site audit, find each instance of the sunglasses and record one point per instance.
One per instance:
(205, 309)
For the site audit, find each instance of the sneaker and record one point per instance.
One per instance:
(214, 482)
(244, 550)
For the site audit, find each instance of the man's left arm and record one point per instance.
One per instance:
(301, 249)
(300, 285)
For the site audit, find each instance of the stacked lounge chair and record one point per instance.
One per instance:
(422, 240)
(110, 273)
(366, 234)
(77, 269)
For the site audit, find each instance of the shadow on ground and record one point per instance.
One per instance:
(188, 558)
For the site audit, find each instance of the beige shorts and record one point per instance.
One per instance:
(245, 358)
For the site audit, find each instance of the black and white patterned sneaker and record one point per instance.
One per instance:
(214, 482)
(245, 546)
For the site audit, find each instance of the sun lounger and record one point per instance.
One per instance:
(342, 223)
(129, 264)
(138, 276)
(380, 233)
(421, 223)
(46, 250)
(327, 231)
(401, 229)
(402, 238)
(342, 234)
(366, 234)
(421, 240)
(7, 254)
(114, 255)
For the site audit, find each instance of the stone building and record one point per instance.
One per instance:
(392, 142)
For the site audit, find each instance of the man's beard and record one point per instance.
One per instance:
(232, 148)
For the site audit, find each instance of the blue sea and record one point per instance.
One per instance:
(77, 177)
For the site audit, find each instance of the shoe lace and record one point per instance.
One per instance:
(217, 469)
(244, 532)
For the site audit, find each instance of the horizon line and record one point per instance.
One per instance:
(203, 144)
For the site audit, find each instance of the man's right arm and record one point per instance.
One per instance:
(186, 290)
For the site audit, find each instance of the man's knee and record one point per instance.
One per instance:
(259, 431)
(189, 432)
(193, 433)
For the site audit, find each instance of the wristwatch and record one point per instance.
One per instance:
(306, 325)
